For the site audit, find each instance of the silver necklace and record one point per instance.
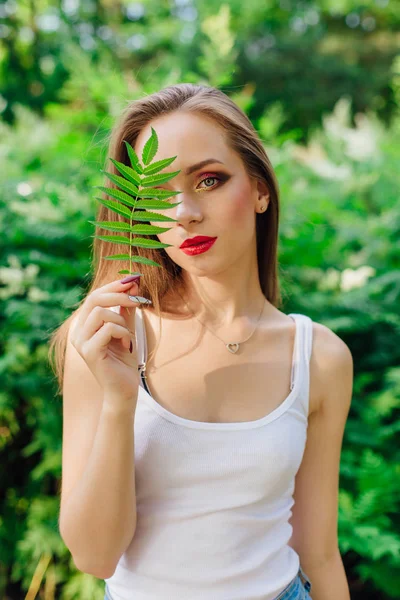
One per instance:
(233, 347)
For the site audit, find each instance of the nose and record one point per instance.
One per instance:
(188, 210)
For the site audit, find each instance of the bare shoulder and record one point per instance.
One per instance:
(331, 367)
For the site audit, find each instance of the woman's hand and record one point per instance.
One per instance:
(103, 338)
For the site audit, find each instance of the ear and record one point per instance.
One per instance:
(263, 194)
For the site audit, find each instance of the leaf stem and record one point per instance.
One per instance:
(130, 232)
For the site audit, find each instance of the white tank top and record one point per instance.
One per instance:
(213, 500)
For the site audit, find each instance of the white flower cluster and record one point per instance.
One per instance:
(17, 279)
(355, 278)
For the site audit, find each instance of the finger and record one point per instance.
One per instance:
(101, 340)
(97, 319)
(100, 297)
(117, 283)
(113, 286)
(127, 312)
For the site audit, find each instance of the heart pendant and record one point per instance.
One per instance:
(233, 347)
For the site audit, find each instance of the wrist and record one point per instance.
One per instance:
(117, 406)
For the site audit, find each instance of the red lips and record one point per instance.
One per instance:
(198, 239)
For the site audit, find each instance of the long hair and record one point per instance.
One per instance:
(242, 137)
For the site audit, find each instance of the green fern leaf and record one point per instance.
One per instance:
(127, 172)
(112, 225)
(151, 216)
(155, 193)
(124, 184)
(157, 179)
(158, 166)
(143, 202)
(116, 207)
(141, 242)
(148, 229)
(121, 226)
(118, 194)
(150, 148)
(155, 204)
(138, 259)
(133, 157)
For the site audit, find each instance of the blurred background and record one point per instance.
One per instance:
(321, 83)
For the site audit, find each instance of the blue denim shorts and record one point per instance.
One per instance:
(297, 589)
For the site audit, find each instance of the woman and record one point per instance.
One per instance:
(204, 463)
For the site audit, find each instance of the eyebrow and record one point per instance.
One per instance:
(198, 165)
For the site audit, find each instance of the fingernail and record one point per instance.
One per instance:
(140, 299)
(131, 278)
(130, 347)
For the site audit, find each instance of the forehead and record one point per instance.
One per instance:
(190, 137)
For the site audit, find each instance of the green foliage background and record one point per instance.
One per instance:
(321, 83)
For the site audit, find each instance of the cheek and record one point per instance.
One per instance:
(233, 210)
(238, 210)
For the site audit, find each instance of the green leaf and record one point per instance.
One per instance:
(139, 259)
(155, 193)
(112, 225)
(127, 199)
(117, 257)
(148, 229)
(158, 166)
(157, 179)
(115, 193)
(133, 157)
(155, 204)
(116, 207)
(145, 261)
(125, 185)
(121, 226)
(150, 216)
(124, 272)
(141, 242)
(138, 205)
(150, 148)
(126, 171)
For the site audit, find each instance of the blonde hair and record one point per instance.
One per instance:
(242, 137)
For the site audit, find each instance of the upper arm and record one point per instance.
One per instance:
(315, 511)
(82, 403)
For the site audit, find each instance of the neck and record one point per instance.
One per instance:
(222, 300)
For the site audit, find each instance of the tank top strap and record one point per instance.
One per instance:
(141, 340)
(301, 359)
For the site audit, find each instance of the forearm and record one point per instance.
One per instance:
(328, 579)
(99, 519)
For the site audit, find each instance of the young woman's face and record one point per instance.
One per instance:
(216, 200)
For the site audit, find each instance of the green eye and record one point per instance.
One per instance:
(206, 178)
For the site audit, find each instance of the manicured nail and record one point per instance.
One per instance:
(131, 278)
(140, 299)
(130, 347)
